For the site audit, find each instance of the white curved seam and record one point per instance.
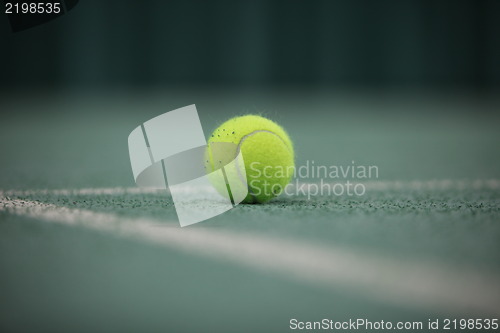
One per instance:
(238, 149)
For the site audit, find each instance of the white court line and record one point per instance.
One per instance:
(375, 185)
(422, 285)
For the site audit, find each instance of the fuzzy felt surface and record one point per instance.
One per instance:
(267, 152)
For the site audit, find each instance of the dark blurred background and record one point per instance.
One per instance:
(356, 43)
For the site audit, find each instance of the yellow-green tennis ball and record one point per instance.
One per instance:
(267, 151)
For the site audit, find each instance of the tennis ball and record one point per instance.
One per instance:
(267, 153)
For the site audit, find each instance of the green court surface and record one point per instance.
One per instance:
(82, 249)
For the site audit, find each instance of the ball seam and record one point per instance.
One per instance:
(238, 149)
